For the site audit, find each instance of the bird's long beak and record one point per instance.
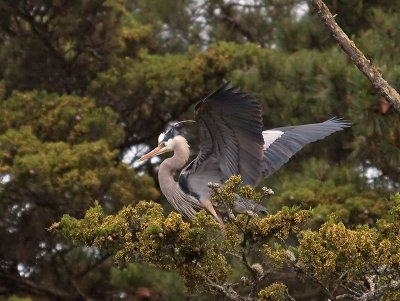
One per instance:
(157, 151)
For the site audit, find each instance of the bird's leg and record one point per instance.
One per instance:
(208, 205)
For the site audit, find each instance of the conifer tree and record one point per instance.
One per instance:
(85, 85)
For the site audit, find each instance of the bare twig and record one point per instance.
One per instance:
(35, 289)
(228, 15)
(357, 57)
(90, 268)
(297, 269)
(379, 292)
(80, 291)
(346, 297)
(226, 290)
(289, 296)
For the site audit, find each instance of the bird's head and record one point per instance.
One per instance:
(165, 144)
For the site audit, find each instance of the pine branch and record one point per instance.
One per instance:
(357, 57)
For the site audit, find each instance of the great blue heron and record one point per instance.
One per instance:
(229, 126)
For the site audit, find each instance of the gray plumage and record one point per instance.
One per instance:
(280, 148)
(231, 142)
(179, 199)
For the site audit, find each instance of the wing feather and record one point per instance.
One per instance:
(231, 141)
(281, 144)
(229, 126)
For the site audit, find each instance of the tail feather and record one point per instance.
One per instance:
(246, 206)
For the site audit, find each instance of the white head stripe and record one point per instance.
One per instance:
(161, 137)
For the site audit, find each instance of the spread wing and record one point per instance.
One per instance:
(281, 144)
(229, 126)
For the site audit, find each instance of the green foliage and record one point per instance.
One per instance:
(166, 285)
(142, 88)
(81, 82)
(70, 174)
(203, 253)
(144, 233)
(330, 190)
(15, 298)
(336, 252)
(281, 224)
(274, 292)
(60, 118)
(59, 47)
(199, 251)
(58, 154)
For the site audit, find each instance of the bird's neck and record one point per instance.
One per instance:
(181, 155)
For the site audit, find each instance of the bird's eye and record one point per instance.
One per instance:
(163, 144)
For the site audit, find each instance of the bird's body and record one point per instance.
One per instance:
(183, 202)
(232, 142)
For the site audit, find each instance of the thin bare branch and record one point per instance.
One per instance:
(357, 57)
(80, 291)
(227, 291)
(26, 285)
